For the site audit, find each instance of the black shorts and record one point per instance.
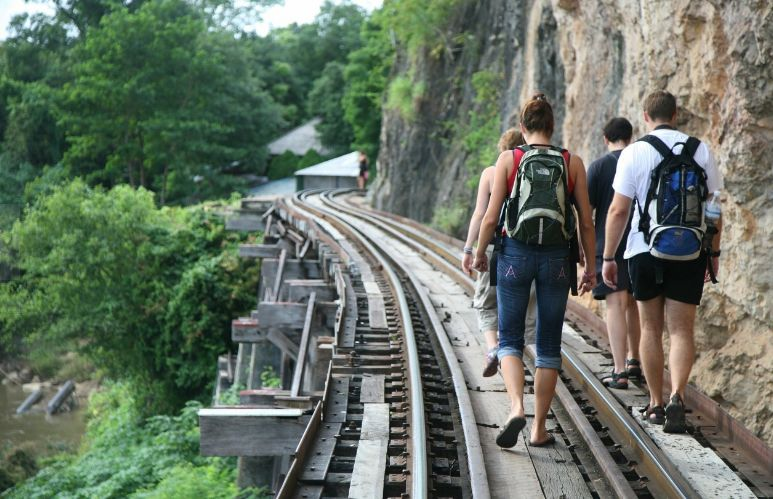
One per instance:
(601, 290)
(682, 281)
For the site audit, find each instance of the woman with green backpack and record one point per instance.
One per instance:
(537, 184)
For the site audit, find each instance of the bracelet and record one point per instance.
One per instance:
(467, 250)
(715, 253)
(606, 259)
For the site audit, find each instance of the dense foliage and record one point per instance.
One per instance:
(126, 455)
(143, 292)
(169, 95)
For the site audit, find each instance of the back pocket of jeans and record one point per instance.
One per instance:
(510, 267)
(559, 269)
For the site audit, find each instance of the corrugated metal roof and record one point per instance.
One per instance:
(347, 165)
(299, 140)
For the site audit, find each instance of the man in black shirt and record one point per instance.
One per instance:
(622, 314)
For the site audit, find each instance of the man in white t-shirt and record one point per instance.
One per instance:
(666, 291)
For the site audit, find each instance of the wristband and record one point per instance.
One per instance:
(612, 259)
(715, 253)
(467, 250)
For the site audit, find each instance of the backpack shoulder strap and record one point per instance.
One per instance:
(569, 179)
(691, 146)
(658, 144)
(518, 153)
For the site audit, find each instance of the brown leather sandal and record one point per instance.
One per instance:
(655, 415)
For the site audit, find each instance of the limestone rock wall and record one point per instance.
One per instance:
(594, 60)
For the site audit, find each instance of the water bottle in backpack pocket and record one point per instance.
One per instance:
(672, 218)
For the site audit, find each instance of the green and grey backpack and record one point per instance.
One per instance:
(539, 210)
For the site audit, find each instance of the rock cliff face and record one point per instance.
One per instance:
(595, 60)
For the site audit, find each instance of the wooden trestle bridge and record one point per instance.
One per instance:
(366, 318)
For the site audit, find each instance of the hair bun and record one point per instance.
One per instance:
(540, 96)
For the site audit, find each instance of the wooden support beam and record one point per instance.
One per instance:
(303, 348)
(298, 289)
(253, 366)
(282, 342)
(244, 222)
(259, 250)
(279, 274)
(246, 330)
(250, 432)
(304, 249)
(269, 212)
(293, 269)
(293, 315)
(261, 397)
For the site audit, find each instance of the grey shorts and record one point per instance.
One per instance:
(485, 304)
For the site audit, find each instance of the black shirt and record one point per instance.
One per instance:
(601, 173)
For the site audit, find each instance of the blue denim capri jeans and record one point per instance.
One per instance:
(517, 266)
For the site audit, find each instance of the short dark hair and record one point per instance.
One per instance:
(537, 115)
(660, 105)
(618, 129)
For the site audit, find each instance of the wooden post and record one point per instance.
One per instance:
(279, 274)
(251, 371)
(239, 357)
(303, 348)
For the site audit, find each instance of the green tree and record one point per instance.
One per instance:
(292, 58)
(366, 76)
(145, 293)
(157, 93)
(325, 101)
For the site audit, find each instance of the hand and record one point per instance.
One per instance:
(481, 262)
(467, 263)
(609, 274)
(587, 283)
(714, 266)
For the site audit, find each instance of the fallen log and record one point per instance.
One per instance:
(56, 402)
(33, 399)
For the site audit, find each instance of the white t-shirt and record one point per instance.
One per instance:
(632, 179)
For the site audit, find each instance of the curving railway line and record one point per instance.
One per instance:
(415, 419)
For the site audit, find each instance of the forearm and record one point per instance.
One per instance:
(613, 232)
(588, 244)
(474, 230)
(487, 227)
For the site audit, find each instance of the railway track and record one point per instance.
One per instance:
(441, 416)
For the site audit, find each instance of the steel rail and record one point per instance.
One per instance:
(651, 458)
(419, 464)
(475, 462)
(660, 469)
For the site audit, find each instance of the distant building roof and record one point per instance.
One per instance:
(298, 140)
(347, 165)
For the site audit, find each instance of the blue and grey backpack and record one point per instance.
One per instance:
(671, 219)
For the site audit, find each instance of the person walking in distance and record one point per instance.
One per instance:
(485, 300)
(364, 165)
(622, 314)
(668, 176)
(539, 182)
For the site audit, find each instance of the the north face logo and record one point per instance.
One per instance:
(543, 171)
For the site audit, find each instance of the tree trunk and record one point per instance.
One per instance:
(163, 184)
